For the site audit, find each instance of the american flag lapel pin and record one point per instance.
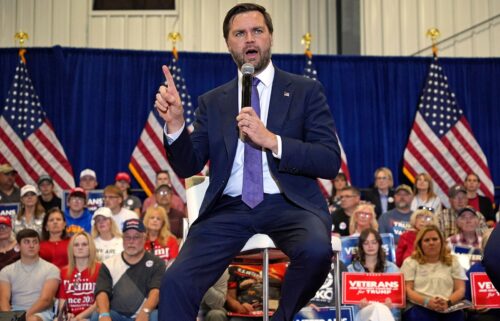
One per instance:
(286, 94)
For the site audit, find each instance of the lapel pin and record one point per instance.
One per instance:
(286, 94)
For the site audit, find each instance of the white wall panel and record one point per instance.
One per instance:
(451, 17)
(282, 20)
(7, 23)
(97, 32)
(61, 22)
(43, 23)
(115, 34)
(25, 16)
(78, 23)
(135, 31)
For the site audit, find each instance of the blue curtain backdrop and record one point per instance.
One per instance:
(98, 100)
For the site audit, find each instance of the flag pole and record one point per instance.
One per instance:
(434, 34)
(175, 37)
(306, 41)
(22, 37)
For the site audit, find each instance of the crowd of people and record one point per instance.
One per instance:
(58, 258)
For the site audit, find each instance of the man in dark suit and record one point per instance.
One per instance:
(290, 144)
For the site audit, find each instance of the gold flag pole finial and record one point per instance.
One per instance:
(174, 37)
(306, 41)
(21, 36)
(434, 34)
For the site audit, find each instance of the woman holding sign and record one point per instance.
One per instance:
(371, 259)
(434, 279)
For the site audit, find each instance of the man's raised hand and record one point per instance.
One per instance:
(168, 103)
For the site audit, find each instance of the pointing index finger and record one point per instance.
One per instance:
(168, 76)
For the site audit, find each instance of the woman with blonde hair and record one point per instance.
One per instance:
(78, 279)
(31, 212)
(363, 217)
(107, 237)
(418, 220)
(434, 279)
(160, 240)
(425, 197)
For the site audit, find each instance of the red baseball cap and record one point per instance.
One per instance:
(122, 176)
(77, 192)
(5, 220)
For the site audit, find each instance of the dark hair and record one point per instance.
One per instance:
(353, 189)
(45, 233)
(473, 174)
(163, 171)
(241, 8)
(380, 266)
(25, 233)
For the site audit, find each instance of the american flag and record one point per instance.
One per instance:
(441, 141)
(325, 184)
(149, 155)
(28, 140)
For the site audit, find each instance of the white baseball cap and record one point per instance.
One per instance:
(28, 189)
(88, 172)
(102, 211)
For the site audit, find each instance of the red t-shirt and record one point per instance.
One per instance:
(55, 252)
(78, 290)
(474, 202)
(166, 253)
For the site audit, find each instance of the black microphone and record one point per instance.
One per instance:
(246, 88)
(246, 84)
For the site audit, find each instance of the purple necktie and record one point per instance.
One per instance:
(253, 185)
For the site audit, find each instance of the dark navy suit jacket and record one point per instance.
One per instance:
(298, 112)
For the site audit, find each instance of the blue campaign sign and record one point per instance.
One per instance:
(325, 314)
(350, 247)
(9, 209)
(94, 199)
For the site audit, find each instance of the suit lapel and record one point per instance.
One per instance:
(281, 97)
(229, 110)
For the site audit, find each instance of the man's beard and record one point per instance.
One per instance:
(265, 57)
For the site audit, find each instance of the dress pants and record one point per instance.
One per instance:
(219, 235)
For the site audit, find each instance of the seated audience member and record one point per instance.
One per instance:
(244, 294)
(468, 230)
(212, 304)
(160, 241)
(349, 199)
(47, 197)
(339, 183)
(418, 220)
(478, 267)
(31, 212)
(447, 217)
(107, 236)
(9, 251)
(362, 218)
(371, 258)
(163, 178)
(54, 244)
(29, 284)
(78, 279)
(424, 194)
(163, 197)
(88, 179)
(9, 193)
(480, 203)
(381, 195)
(131, 202)
(434, 279)
(78, 217)
(113, 199)
(397, 220)
(128, 285)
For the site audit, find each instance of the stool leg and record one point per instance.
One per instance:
(337, 285)
(265, 284)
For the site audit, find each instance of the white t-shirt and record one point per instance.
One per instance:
(106, 249)
(433, 279)
(124, 215)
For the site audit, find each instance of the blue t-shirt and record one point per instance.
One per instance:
(75, 225)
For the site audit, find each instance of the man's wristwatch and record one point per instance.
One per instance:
(449, 303)
(146, 310)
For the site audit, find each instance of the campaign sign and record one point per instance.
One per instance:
(350, 247)
(325, 314)
(9, 209)
(484, 294)
(374, 287)
(94, 200)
